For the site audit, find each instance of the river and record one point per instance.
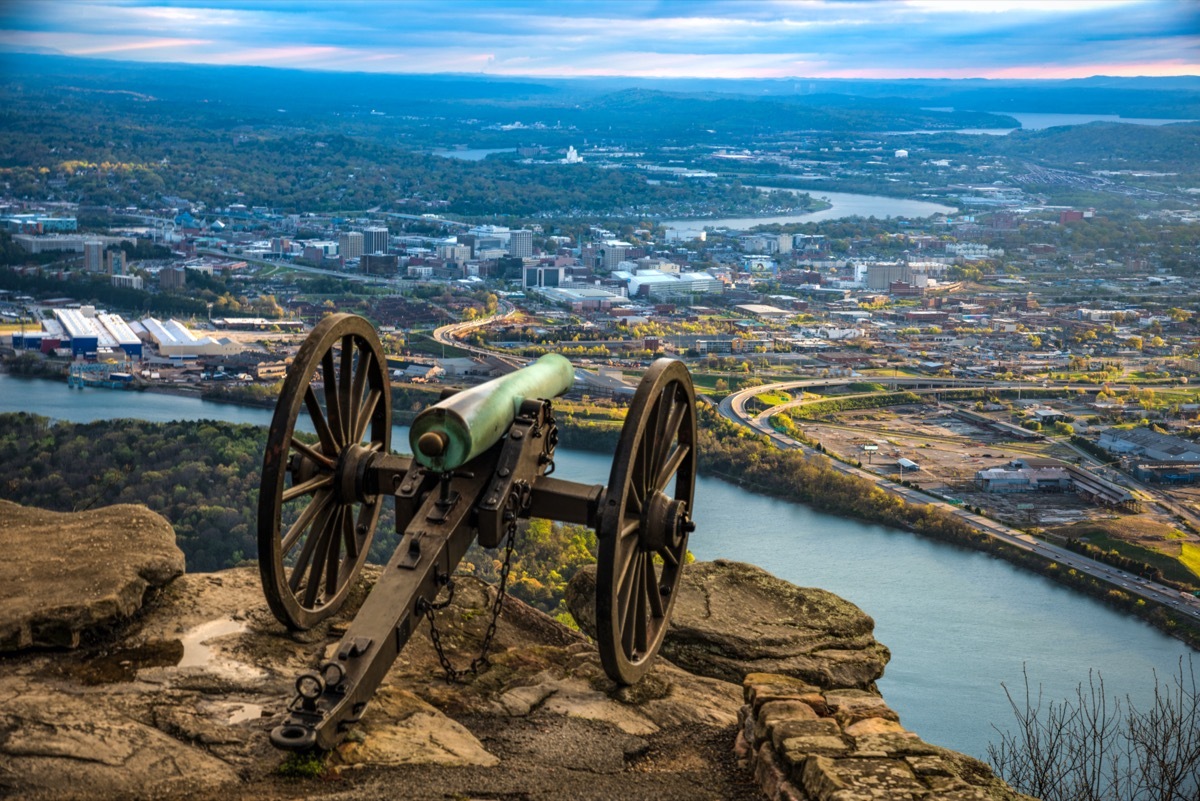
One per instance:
(1039, 121)
(958, 622)
(844, 204)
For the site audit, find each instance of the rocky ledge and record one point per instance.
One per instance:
(177, 700)
(66, 574)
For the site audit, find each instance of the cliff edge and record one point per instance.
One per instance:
(176, 700)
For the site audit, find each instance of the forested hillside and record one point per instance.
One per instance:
(204, 478)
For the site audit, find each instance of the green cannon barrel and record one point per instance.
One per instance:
(454, 431)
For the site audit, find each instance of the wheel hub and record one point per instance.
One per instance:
(664, 523)
(349, 472)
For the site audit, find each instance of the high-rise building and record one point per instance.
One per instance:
(93, 255)
(452, 251)
(114, 262)
(612, 253)
(520, 244)
(350, 245)
(375, 240)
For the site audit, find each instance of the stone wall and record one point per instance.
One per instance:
(807, 744)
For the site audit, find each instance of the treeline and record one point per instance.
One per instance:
(202, 476)
(1116, 559)
(111, 165)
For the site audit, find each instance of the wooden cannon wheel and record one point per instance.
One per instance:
(314, 522)
(645, 521)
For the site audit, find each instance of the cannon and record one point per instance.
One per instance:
(482, 461)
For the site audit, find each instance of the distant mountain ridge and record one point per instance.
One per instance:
(1168, 97)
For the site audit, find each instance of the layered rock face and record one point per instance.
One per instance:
(731, 619)
(63, 574)
(177, 700)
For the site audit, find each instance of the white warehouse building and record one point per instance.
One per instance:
(175, 341)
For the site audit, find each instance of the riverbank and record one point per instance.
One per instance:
(751, 463)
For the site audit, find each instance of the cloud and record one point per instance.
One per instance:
(775, 38)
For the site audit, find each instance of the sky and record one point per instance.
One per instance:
(875, 39)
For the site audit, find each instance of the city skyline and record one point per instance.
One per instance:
(868, 39)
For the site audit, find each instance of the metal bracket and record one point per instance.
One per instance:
(522, 458)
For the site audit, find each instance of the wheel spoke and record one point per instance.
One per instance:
(651, 591)
(666, 408)
(319, 501)
(312, 453)
(631, 528)
(324, 432)
(671, 429)
(640, 640)
(668, 557)
(329, 373)
(366, 413)
(362, 372)
(312, 588)
(307, 487)
(311, 543)
(332, 552)
(629, 610)
(633, 507)
(625, 585)
(345, 382)
(671, 466)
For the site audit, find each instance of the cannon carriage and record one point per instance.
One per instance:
(482, 461)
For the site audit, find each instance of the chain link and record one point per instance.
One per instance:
(516, 505)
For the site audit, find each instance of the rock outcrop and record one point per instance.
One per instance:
(64, 575)
(179, 702)
(731, 619)
(178, 699)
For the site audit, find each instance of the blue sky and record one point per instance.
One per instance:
(646, 38)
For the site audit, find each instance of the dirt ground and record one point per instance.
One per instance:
(949, 452)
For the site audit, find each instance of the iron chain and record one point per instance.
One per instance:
(516, 506)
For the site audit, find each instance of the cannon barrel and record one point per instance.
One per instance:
(454, 431)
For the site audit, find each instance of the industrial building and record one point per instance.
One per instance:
(656, 284)
(175, 341)
(1149, 445)
(1026, 479)
(122, 334)
(82, 332)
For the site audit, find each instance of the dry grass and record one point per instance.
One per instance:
(1133, 528)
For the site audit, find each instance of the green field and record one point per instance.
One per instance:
(1147, 541)
(773, 398)
(1189, 555)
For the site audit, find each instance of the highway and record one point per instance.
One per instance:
(733, 406)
